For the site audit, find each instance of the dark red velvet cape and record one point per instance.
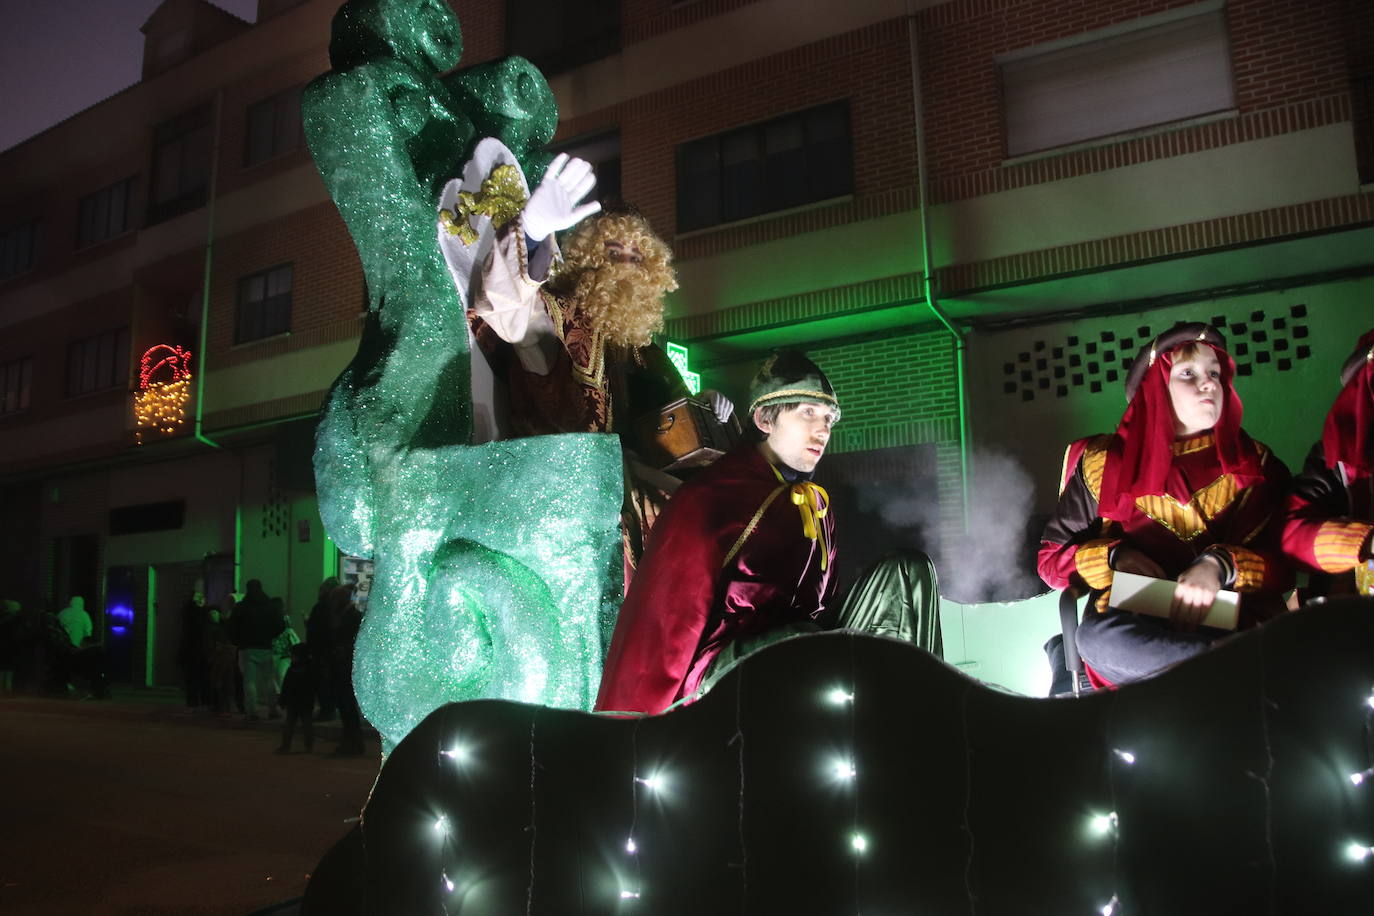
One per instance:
(686, 602)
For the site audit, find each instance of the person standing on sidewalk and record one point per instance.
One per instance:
(253, 626)
(221, 660)
(318, 637)
(195, 670)
(344, 621)
(298, 699)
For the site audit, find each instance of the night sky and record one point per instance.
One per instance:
(59, 57)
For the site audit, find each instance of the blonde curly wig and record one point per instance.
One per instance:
(622, 299)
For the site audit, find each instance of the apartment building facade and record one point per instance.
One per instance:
(970, 212)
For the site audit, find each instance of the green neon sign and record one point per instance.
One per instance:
(677, 353)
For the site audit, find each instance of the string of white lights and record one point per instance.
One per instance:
(738, 740)
(968, 798)
(859, 842)
(1112, 821)
(846, 770)
(443, 756)
(1266, 705)
(534, 820)
(1363, 776)
(631, 844)
(1356, 850)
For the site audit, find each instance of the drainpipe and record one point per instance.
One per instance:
(205, 276)
(211, 195)
(927, 281)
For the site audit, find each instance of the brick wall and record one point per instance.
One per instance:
(326, 281)
(889, 385)
(1284, 52)
(896, 391)
(868, 67)
(641, 19)
(45, 339)
(484, 29)
(76, 505)
(233, 173)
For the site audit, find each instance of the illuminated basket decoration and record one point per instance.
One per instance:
(164, 388)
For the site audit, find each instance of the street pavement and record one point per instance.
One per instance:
(133, 807)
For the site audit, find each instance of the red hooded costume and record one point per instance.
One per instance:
(1330, 511)
(1172, 499)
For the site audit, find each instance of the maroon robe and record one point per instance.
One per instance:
(708, 578)
(593, 385)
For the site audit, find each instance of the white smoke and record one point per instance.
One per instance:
(993, 560)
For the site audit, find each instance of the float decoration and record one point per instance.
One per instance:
(497, 563)
(164, 389)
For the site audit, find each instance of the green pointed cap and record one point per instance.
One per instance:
(788, 377)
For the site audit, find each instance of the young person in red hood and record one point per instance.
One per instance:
(744, 556)
(1330, 509)
(1180, 492)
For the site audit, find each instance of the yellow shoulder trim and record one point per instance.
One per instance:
(1095, 462)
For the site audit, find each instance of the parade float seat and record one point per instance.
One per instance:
(838, 773)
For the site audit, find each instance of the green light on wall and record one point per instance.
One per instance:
(677, 353)
(150, 651)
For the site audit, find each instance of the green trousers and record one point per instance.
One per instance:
(898, 597)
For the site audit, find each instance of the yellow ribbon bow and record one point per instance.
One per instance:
(501, 197)
(814, 504)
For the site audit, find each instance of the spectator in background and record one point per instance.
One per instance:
(191, 651)
(76, 621)
(281, 652)
(221, 662)
(317, 636)
(344, 621)
(253, 627)
(85, 660)
(9, 643)
(298, 699)
(38, 640)
(10, 618)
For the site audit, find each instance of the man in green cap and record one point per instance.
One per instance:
(744, 555)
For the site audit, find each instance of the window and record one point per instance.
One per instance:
(181, 164)
(99, 362)
(1165, 68)
(603, 152)
(557, 36)
(164, 516)
(1362, 101)
(104, 214)
(264, 305)
(274, 127)
(16, 377)
(18, 249)
(797, 159)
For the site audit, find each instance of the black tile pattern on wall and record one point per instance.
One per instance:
(1260, 342)
(275, 511)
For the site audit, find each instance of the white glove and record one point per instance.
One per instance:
(553, 205)
(720, 405)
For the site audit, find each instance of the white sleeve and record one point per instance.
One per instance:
(509, 301)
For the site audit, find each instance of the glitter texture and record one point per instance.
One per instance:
(497, 565)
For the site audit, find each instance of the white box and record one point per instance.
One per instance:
(1147, 595)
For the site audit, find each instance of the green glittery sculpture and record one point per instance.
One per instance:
(497, 565)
